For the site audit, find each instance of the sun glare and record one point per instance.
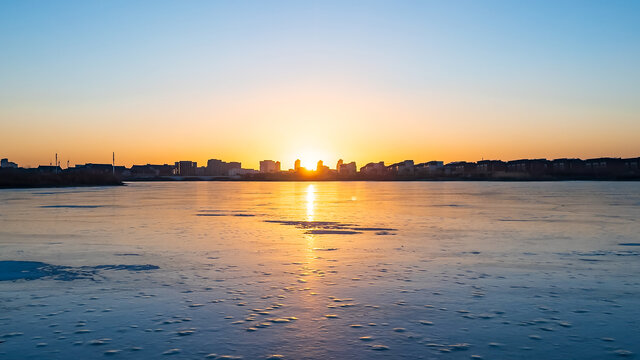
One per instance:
(309, 159)
(308, 163)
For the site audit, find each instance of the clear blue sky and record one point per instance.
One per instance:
(539, 78)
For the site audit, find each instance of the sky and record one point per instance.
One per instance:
(162, 81)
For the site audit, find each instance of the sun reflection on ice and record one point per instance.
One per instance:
(311, 199)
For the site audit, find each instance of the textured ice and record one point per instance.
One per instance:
(335, 232)
(332, 227)
(454, 282)
(30, 270)
(71, 206)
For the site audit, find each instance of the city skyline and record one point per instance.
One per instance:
(612, 169)
(157, 81)
(310, 165)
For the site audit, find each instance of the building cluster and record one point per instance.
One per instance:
(6, 164)
(269, 166)
(271, 169)
(214, 168)
(515, 169)
(597, 168)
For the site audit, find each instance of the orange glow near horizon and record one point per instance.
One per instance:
(349, 122)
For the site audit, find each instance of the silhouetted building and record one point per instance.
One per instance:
(632, 165)
(349, 169)
(164, 169)
(535, 167)
(217, 167)
(146, 171)
(102, 169)
(6, 164)
(340, 162)
(96, 168)
(237, 172)
(49, 169)
(604, 165)
(487, 167)
(121, 171)
(403, 168)
(450, 168)
(321, 169)
(269, 166)
(567, 166)
(185, 168)
(430, 168)
(296, 165)
(460, 168)
(234, 165)
(374, 169)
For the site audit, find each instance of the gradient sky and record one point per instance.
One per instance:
(161, 81)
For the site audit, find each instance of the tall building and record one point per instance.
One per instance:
(296, 165)
(186, 168)
(340, 162)
(347, 169)
(214, 167)
(403, 168)
(321, 168)
(374, 169)
(269, 166)
(234, 165)
(217, 167)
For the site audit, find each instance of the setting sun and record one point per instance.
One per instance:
(309, 158)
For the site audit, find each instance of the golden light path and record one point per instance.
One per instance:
(310, 258)
(311, 199)
(311, 204)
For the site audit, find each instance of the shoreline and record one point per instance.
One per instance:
(46, 186)
(123, 182)
(199, 179)
(25, 179)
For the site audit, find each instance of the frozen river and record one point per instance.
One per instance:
(351, 270)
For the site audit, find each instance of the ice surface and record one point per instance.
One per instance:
(30, 270)
(474, 270)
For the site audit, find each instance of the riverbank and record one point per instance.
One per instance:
(16, 179)
(268, 178)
